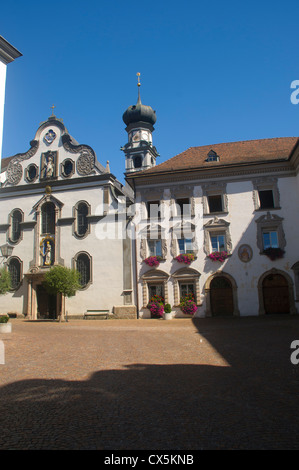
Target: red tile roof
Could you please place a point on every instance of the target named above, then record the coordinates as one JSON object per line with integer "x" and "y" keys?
{"x": 229, "y": 153}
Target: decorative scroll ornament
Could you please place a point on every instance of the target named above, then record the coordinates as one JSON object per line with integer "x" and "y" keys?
{"x": 14, "y": 173}
{"x": 86, "y": 160}
{"x": 85, "y": 163}
{"x": 14, "y": 170}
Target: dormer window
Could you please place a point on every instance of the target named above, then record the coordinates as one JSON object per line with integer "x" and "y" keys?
{"x": 212, "y": 157}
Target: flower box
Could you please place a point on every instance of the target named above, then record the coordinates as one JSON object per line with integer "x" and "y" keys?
{"x": 186, "y": 258}
{"x": 188, "y": 305}
{"x": 218, "y": 256}
{"x": 153, "y": 260}
{"x": 273, "y": 253}
{"x": 156, "y": 306}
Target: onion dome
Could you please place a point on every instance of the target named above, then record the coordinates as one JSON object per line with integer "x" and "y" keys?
{"x": 139, "y": 112}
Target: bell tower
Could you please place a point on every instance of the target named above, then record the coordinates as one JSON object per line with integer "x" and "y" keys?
{"x": 139, "y": 151}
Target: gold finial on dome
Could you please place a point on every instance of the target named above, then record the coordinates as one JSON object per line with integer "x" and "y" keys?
{"x": 138, "y": 84}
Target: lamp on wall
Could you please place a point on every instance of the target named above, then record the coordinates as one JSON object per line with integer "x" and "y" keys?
{"x": 6, "y": 250}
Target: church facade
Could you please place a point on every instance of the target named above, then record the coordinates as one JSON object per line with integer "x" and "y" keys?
{"x": 217, "y": 224}
{"x": 57, "y": 204}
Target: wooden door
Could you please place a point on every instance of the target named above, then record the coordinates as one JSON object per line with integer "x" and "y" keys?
{"x": 221, "y": 295}
{"x": 276, "y": 294}
{"x": 46, "y": 303}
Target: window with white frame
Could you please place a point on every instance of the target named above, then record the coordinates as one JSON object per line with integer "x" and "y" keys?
{"x": 187, "y": 289}
{"x": 155, "y": 247}
{"x": 218, "y": 242}
{"x": 270, "y": 239}
{"x": 270, "y": 233}
{"x": 212, "y": 157}
{"x": 215, "y": 199}
{"x": 217, "y": 236}
{"x": 153, "y": 242}
{"x": 183, "y": 239}
{"x": 185, "y": 245}
{"x": 155, "y": 289}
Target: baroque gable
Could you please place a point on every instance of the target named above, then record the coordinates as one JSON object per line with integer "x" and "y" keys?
{"x": 53, "y": 155}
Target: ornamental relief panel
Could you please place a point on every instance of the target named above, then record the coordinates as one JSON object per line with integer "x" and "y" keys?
{"x": 86, "y": 161}
{"x": 14, "y": 171}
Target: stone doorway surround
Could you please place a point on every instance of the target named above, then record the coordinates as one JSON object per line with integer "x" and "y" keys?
{"x": 207, "y": 289}
{"x": 35, "y": 278}
{"x": 290, "y": 286}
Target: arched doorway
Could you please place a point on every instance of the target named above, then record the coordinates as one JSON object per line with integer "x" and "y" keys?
{"x": 221, "y": 296}
{"x": 276, "y": 294}
{"x": 46, "y": 304}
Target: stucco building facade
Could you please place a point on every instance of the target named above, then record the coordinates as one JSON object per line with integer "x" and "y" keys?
{"x": 238, "y": 199}
{"x": 219, "y": 220}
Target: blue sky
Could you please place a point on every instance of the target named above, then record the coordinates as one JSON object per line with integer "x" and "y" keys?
{"x": 213, "y": 71}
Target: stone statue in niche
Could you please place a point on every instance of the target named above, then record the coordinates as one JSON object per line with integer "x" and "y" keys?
{"x": 48, "y": 167}
{"x": 46, "y": 252}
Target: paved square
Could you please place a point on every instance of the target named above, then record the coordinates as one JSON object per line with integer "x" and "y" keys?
{"x": 219, "y": 383}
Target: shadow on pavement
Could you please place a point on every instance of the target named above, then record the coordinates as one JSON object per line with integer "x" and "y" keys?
{"x": 251, "y": 404}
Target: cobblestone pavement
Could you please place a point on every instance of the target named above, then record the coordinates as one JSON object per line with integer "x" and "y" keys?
{"x": 218, "y": 383}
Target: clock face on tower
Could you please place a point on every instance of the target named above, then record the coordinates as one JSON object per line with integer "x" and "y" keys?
{"x": 136, "y": 136}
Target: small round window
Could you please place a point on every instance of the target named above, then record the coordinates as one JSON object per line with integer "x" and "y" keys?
{"x": 31, "y": 173}
{"x": 68, "y": 167}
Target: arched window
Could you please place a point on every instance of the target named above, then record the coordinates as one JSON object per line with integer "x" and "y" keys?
{"x": 83, "y": 266}
{"x": 48, "y": 218}
{"x": 16, "y": 219}
{"x": 82, "y": 221}
{"x": 81, "y": 225}
{"x": 15, "y": 270}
